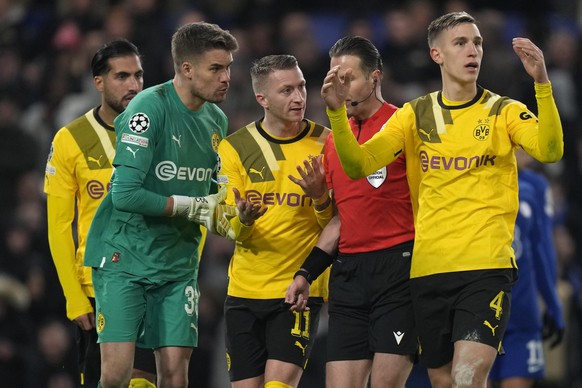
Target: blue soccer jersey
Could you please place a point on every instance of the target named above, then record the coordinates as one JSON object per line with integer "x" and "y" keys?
{"x": 536, "y": 260}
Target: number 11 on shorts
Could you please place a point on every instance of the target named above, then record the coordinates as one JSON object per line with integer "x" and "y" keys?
{"x": 301, "y": 319}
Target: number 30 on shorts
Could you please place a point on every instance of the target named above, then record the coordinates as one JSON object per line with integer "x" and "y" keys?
{"x": 191, "y": 305}
{"x": 301, "y": 326}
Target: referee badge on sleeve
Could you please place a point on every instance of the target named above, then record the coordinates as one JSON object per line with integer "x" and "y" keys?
{"x": 377, "y": 178}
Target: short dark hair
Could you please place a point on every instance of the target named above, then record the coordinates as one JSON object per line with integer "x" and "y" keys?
{"x": 193, "y": 39}
{"x": 446, "y": 22}
{"x": 360, "y": 47}
{"x": 116, "y": 48}
{"x": 266, "y": 65}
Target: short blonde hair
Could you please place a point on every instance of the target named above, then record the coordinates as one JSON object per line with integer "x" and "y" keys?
{"x": 446, "y": 22}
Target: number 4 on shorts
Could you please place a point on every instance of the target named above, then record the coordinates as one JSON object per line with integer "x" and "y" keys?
{"x": 496, "y": 304}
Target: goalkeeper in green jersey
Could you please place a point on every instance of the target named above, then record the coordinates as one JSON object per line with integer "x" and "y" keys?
{"x": 143, "y": 241}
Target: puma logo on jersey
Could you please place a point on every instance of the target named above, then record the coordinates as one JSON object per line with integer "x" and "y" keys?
{"x": 486, "y": 323}
{"x": 398, "y": 336}
{"x": 177, "y": 140}
{"x": 132, "y": 151}
{"x": 194, "y": 327}
{"x": 425, "y": 133}
{"x": 300, "y": 346}
{"x": 255, "y": 171}
{"x": 97, "y": 161}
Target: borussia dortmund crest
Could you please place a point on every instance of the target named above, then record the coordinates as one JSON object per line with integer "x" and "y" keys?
{"x": 482, "y": 130}
{"x": 215, "y": 141}
{"x": 100, "y": 322}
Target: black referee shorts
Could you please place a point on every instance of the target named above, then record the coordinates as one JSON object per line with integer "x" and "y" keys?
{"x": 370, "y": 309}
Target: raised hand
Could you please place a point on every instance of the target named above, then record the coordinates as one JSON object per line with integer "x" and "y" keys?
{"x": 312, "y": 178}
{"x": 532, "y": 59}
{"x": 336, "y": 87}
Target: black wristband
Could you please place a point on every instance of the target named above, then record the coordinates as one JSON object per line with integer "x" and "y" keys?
{"x": 305, "y": 274}
{"x": 316, "y": 263}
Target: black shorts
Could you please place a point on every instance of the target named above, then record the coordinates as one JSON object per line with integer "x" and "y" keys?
{"x": 467, "y": 305}
{"x": 145, "y": 360}
{"x": 262, "y": 329}
{"x": 370, "y": 307}
{"x": 89, "y": 356}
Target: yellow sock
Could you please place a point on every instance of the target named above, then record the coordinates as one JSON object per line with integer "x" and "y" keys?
{"x": 140, "y": 382}
{"x": 276, "y": 384}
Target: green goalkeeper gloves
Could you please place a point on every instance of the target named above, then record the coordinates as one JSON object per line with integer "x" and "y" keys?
{"x": 210, "y": 211}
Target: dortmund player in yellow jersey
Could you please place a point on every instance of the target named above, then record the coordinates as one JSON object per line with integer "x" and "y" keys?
{"x": 459, "y": 144}
{"x": 267, "y": 344}
{"x": 77, "y": 178}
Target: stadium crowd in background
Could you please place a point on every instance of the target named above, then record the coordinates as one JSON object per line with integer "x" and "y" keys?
{"x": 45, "y": 82}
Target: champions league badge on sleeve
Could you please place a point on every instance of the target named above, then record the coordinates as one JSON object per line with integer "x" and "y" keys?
{"x": 139, "y": 123}
{"x": 218, "y": 165}
{"x": 377, "y": 178}
{"x": 50, "y": 169}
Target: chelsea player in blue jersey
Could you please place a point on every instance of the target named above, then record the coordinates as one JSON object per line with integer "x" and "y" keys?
{"x": 536, "y": 260}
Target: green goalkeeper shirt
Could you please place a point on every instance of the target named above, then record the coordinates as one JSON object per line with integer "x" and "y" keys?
{"x": 162, "y": 148}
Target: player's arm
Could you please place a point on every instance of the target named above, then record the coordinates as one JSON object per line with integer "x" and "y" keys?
{"x": 129, "y": 195}
{"x": 544, "y": 263}
{"x": 542, "y": 138}
{"x": 60, "y": 216}
{"x": 546, "y": 144}
{"x": 313, "y": 183}
{"x": 357, "y": 160}
{"x": 61, "y": 188}
{"x": 318, "y": 260}
{"x": 137, "y": 130}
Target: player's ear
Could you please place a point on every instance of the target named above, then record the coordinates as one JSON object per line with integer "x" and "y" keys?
{"x": 187, "y": 69}
{"x": 262, "y": 100}
{"x": 98, "y": 81}
{"x": 436, "y": 55}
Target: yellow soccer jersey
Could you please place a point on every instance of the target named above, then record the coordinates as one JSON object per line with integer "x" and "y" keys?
{"x": 77, "y": 172}
{"x": 258, "y": 164}
{"x": 461, "y": 170}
